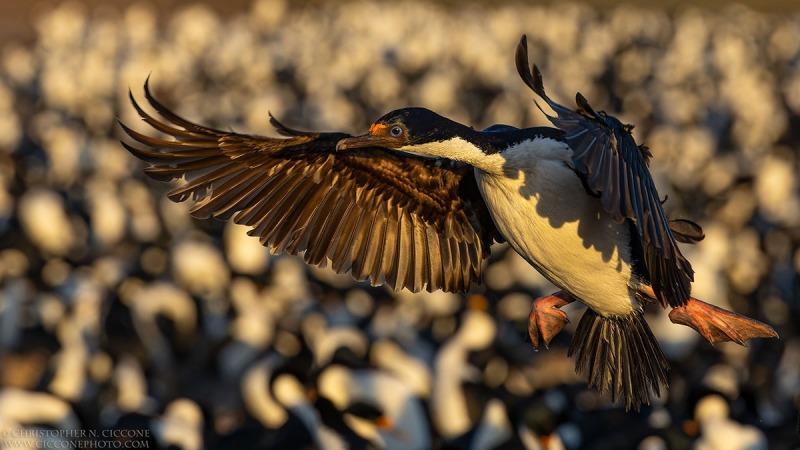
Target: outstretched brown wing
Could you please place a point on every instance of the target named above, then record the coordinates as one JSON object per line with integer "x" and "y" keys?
{"x": 388, "y": 217}
{"x": 615, "y": 168}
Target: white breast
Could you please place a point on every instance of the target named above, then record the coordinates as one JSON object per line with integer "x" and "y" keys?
{"x": 540, "y": 206}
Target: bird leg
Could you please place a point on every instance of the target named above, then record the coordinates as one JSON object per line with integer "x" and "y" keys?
{"x": 716, "y": 324}
{"x": 546, "y": 320}
{"x": 719, "y": 325}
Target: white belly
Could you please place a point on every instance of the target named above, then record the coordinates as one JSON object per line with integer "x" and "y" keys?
{"x": 564, "y": 233}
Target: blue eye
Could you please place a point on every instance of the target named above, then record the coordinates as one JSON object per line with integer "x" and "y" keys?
{"x": 395, "y": 131}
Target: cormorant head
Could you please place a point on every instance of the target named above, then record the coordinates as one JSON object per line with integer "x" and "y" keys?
{"x": 414, "y": 130}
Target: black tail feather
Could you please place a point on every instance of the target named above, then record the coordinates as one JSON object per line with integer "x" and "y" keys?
{"x": 619, "y": 355}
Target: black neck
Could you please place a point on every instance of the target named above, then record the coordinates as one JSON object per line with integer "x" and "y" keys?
{"x": 495, "y": 141}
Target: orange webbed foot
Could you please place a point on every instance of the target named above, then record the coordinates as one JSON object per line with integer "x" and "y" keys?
{"x": 546, "y": 320}
{"x": 719, "y": 325}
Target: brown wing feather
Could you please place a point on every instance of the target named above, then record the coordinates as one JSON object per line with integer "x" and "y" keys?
{"x": 384, "y": 216}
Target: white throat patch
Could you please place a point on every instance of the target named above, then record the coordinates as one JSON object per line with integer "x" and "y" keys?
{"x": 455, "y": 148}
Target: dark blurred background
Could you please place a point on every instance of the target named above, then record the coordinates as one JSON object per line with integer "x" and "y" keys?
{"x": 120, "y": 312}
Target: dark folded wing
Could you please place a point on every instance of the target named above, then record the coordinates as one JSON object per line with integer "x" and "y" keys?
{"x": 615, "y": 168}
{"x": 388, "y": 217}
